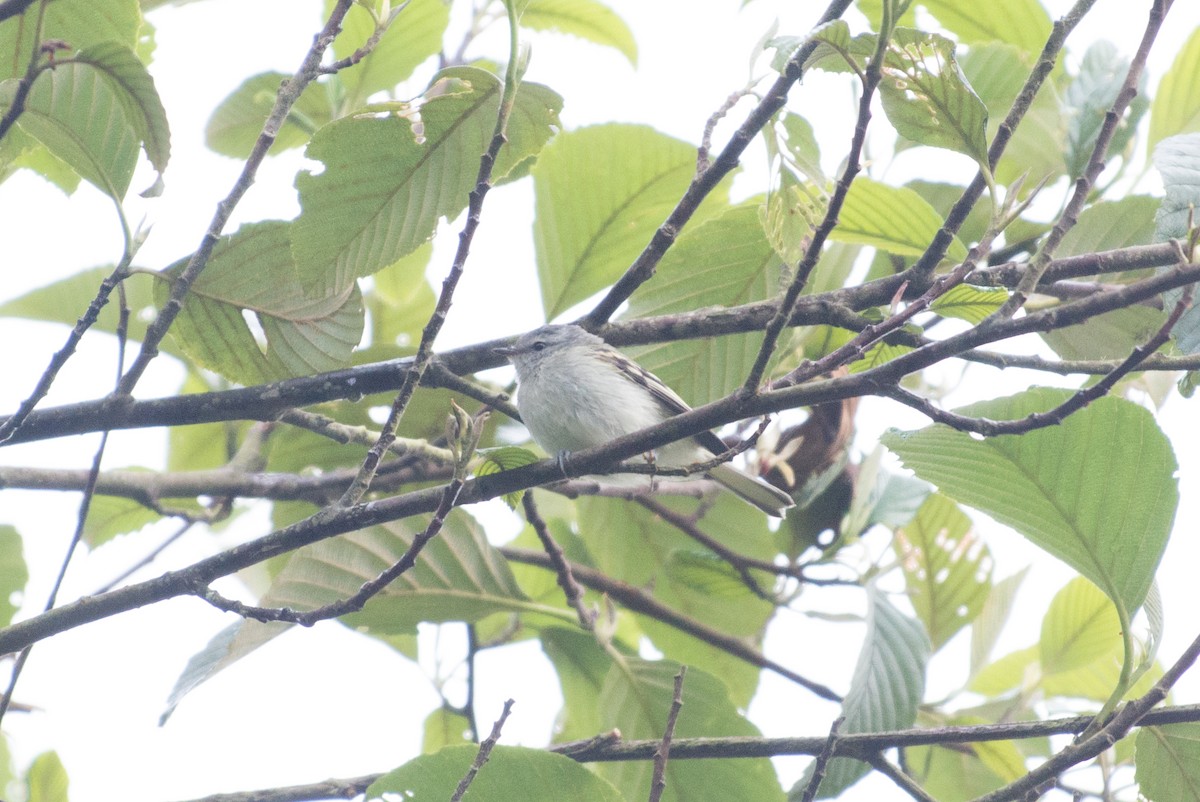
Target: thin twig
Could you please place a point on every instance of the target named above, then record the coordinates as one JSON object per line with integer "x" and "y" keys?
{"x": 562, "y": 569}
{"x": 485, "y": 750}
{"x": 906, "y": 784}
{"x": 658, "y": 780}
{"x": 639, "y": 601}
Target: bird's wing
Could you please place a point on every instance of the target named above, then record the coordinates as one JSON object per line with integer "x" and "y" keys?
{"x": 670, "y": 401}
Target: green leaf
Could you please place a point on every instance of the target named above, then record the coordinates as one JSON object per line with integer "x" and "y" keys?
{"x": 947, "y": 568}
{"x": 836, "y": 50}
{"x": 1106, "y": 512}
{"x": 79, "y": 115}
{"x": 1023, "y": 23}
{"x": 65, "y": 300}
{"x": 1079, "y": 628}
{"x": 81, "y": 23}
{"x": 511, "y": 772}
{"x": 986, "y": 628}
{"x": 237, "y": 121}
{"x": 459, "y": 577}
{"x": 1109, "y": 225}
{"x": 1168, "y": 762}
{"x": 586, "y": 19}
{"x": 400, "y": 303}
{"x": 635, "y": 700}
{"x": 635, "y": 546}
{"x": 894, "y": 219}
{"x": 1176, "y": 106}
{"x": 886, "y": 688}
{"x": 581, "y": 665}
{"x": 46, "y": 780}
{"x": 1088, "y": 99}
{"x": 882, "y": 497}
{"x": 972, "y": 304}
{"x": 383, "y": 188}
{"x": 138, "y": 95}
{"x": 723, "y": 262}
{"x": 19, "y": 150}
{"x": 13, "y": 576}
{"x": 109, "y": 516}
{"x": 927, "y": 97}
{"x": 252, "y": 272}
{"x": 601, "y": 192}
{"x": 414, "y": 36}
{"x": 1111, "y": 335}
{"x": 1177, "y": 160}
{"x": 997, "y": 72}
{"x": 1002, "y": 675}
{"x": 445, "y": 727}
{"x": 505, "y": 458}
{"x": 878, "y": 354}
{"x": 791, "y": 214}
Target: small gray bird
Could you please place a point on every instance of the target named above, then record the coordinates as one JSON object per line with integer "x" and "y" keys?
{"x": 575, "y": 391}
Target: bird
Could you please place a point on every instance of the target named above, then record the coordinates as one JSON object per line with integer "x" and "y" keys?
{"x": 575, "y": 391}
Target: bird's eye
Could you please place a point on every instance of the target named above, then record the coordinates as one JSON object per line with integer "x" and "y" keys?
{"x": 539, "y": 346}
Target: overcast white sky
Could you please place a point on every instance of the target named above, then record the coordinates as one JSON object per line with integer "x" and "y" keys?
{"x": 322, "y": 703}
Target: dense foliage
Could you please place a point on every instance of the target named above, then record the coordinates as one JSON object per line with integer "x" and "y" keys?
{"x": 824, "y": 289}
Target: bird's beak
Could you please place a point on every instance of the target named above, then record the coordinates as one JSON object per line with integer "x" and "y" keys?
{"x": 506, "y": 351}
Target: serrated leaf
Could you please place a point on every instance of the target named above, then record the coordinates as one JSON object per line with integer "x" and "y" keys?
{"x": 237, "y": 121}
{"x": 511, "y": 772}
{"x": 586, "y": 19}
{"x": 972, "y": 304}
{"x": 252, "y": 272}
{"x": 1088, "y": 99}
{"x": 893, "y": 219}
{"x": 887, "y": 687}
{"x": 459, "y": 577}
{"x": 414, "y": 36}
{"x": 635, "y": 699}
{"x": 947, "y": 568}
{"x": 82, "y": 23}
{"x": 600, "y": 194}
{"x": 1177, "y": 160}
{"x": 383, "y": 189}
{"x": 722, "y": 262}
{"x": 13, "y": 576}
{"x": 78, "y": 114}
{"x": 706, "y": 573}
{"x": 1023, "y": 23}
{"x": 836, "y": 50}
{"x": 138, "y": 95}
{"x": 928, "y": 99}
{"x": 792, "y": 212}
{"x": 1168, "y": 762}
{"x": 1176, "y": 106}
{"x": 1104, "y": 511}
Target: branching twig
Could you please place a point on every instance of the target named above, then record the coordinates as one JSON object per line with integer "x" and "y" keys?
{"x": 822, "y": 761}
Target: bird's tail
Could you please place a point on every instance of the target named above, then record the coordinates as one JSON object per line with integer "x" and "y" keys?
{"x": 752, "y": 490}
